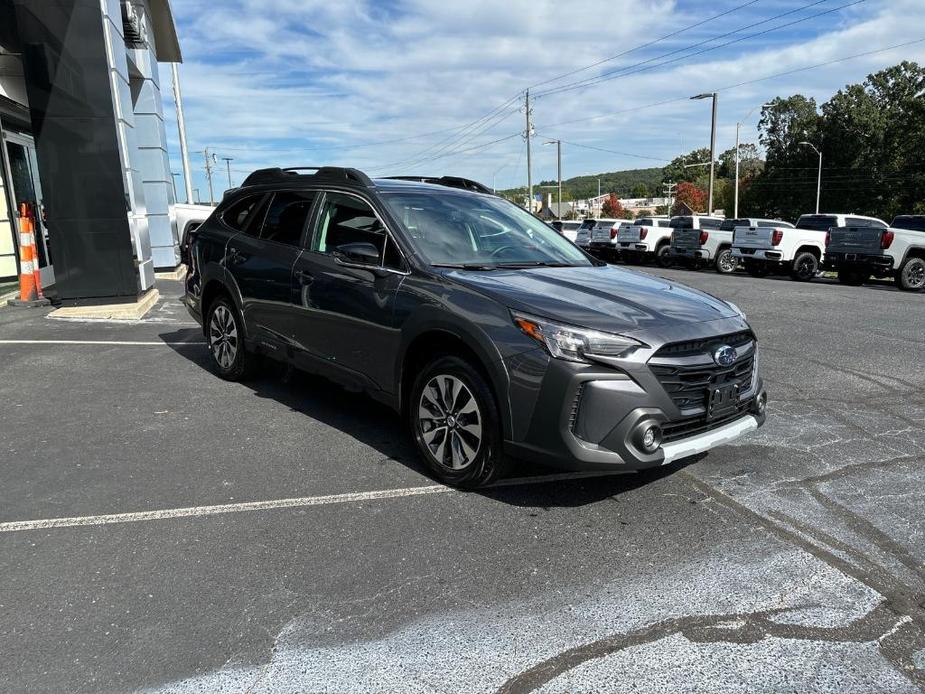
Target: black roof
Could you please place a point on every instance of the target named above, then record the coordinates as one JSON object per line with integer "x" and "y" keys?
{"x": 352, "y": 177}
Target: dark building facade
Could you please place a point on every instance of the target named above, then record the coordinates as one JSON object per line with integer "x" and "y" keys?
{"x": 84, "y": 142}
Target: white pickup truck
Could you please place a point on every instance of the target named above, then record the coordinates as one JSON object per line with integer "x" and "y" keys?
{"x": 856, "y": 253}
{"x": 189, "y": 217}
{"x": 697, "y": 241}
{"x": 798, "y": 250}
{"x": 647, "y": 237}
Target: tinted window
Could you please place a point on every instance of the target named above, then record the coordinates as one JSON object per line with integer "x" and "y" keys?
{"x": 706, "y": 223}
{"x": 588, "y": 224}
{"x": 450, "y": 228}
{"x": 682, "y": 223}
{"x": 345, "y": 219}
{"x": 731, "y": 224}
{"x": 909, "y": 222}
{"x": 764, "y": 224}
{"x": 287, "y": 216}
{"x": 663, "y": 222}
{"x": 860, "y": 222}
{"x": 817, "y": 222}
{"x": 237, "y": 214}
{"x": 645, "y": 222}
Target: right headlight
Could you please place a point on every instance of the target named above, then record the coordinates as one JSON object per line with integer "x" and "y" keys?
{"x": 572, "y": 343}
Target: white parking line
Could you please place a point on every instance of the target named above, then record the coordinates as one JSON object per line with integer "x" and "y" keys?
{"x": 117, "y": 343}
{"x": 325, "y": 500}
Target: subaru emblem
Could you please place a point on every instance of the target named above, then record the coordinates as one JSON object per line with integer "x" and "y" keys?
{"x": 725, "y": 355}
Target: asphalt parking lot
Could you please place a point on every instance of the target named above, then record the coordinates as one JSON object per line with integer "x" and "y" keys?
{"x": 279, "y": 536}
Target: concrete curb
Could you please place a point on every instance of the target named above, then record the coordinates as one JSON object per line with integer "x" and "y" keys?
{"x": 133, "y": 311}
{"x": 178, "y": 274}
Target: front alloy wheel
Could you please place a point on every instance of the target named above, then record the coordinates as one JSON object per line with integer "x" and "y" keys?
{"x": 455, "y": 423}
{"x": 450, "y": 421}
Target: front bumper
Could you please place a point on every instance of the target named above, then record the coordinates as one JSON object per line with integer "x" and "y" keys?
{"x": 589, "y": 418}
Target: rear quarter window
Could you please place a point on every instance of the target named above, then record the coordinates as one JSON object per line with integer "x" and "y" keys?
{"x": 240, "y": 213}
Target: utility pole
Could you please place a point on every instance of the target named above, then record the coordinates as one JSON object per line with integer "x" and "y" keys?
{"x": 819, "y": 178}
{"x": 669, "y": 193}
{"x": 181, "y": 127}
{"x": 228, "y": 161}
{"x": 209, "y": 160}
{"x": 529, "y": 134}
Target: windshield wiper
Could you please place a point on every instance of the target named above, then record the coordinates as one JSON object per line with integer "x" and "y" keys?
{"x": 535, "y": 263}
{"x": 465, "y": 266}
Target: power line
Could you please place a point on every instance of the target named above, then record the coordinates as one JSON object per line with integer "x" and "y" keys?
{"x": 730, "y": 87}
{"x": 601, "y": 149}
{"x": 638, "y": 67}
{"x": 645, "y": 45}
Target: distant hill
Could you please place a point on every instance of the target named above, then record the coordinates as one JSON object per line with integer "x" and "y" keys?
{"x": 623, "y": 183}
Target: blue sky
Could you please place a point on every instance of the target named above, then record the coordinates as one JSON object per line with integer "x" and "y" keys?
{"x": 432, "y": 88}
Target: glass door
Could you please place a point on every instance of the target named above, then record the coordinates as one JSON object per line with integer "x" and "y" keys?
{"x": 25, "y": 187}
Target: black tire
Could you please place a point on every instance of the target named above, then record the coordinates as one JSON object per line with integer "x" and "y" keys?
{"x": 724, "y": 263}
{"x": 663, "y": 256}
{"x": 911, "y": 275}
{"x": 852, "y": 277}
{"x": 756, "y": 268}
{"x": 805, "y": 267}
{"x": 225, "y": 333}
{"x": 473, "y": 458}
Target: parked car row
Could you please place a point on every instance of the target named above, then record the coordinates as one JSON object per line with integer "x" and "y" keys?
{"x": 854, "y": 246}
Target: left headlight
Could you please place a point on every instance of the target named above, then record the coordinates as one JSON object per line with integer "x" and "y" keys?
{"x": 574, "y": 344}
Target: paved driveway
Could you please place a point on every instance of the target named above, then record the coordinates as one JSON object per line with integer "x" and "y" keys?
{"x": 280, "y": 535}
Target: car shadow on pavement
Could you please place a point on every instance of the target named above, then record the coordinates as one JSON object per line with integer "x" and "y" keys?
{"x": 375, "y": 425}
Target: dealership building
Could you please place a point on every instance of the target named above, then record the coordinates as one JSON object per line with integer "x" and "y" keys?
{"x": 84, "y": 145}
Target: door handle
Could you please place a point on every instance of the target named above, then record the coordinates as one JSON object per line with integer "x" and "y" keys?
{"x": 235, "y": 256}
{"x": 304, "y": 277}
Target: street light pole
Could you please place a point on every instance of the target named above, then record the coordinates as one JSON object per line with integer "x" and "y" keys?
{"x": 715, "y": 97}
{"x": 173, "y": 179}
{"x": 558, "y": 144}
{"x": 181, "y": 127}
{"x": 819, "y": 177}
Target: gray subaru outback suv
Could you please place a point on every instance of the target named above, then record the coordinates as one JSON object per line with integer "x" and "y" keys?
{"x": 492, "y": 334}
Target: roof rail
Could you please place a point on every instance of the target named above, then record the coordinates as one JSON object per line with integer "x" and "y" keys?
{"x": 449, "y": 181}
{"x": 277, "y": 175}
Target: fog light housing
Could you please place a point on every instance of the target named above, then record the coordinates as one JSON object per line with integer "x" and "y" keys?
{"x": 761, "y": 402}
{"x": 650, "y": 438}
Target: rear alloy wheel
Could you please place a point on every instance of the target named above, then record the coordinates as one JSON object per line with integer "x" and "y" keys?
{"x": 663, "y": 257}
{"x": 805, "y": 267}
{"x": 852, "y": 277}
{"x": 226, "y": 341}
{"x": 725, "y": 263}
{"x": 911, "y": 276}
{"x": 454, "y": 421}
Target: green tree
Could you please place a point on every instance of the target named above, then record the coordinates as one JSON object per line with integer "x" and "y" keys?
{"x": 676, "y": 172}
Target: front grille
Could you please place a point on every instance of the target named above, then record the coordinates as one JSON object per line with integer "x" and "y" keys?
{"x": 688, "y": 374}
{"x": 673, "y": 431}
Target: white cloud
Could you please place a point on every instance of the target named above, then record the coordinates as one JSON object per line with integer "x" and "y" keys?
{"x": 279, "y": 81}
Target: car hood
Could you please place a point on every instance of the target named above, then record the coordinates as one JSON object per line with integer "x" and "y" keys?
{"x": 603, "y": 298}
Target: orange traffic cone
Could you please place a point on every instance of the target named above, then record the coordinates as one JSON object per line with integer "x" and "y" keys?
{"x": 30, "y": 284}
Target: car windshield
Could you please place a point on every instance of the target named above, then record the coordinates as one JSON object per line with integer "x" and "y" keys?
{"x": 817, "y": 222}
{"x": 909, "y": 223}
{"x": 479, "y": 232}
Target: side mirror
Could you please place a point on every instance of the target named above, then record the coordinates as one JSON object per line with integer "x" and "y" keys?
{"x": 360, "y": 252}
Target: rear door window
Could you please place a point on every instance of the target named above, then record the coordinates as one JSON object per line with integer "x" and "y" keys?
{"x": 243, "y": 214}
{"x": 286, "y": 217}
